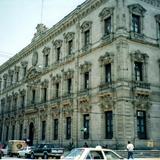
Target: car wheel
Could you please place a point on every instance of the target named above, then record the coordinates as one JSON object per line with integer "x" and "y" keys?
{"x": 45, "y": 156}
{"x": 32, "y": 155}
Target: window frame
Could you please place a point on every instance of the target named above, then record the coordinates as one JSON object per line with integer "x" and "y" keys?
{"x": 86, "y": 124}
{"x": 108, "y": 124}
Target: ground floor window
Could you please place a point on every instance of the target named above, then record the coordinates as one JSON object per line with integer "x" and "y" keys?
{"x": 108, "y": 125}
{"x": 141, "y": 124}
{"x": 86, "y": 126}
{"x": 55, "y": 136}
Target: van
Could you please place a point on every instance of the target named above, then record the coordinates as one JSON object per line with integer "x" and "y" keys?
{"x": 14, "y": 146}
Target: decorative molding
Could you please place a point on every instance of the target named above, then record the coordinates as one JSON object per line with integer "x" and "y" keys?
{"x": 5, "y": 76}
{"x": 56, "y": 79}
{"x": 106, "y": 12}
{"x": 16, "y": 68}
{"x": 32, "y": 73}
{"x": 155, "y": 3}
{"x": 69, "y": 36}
{"x": 137, "y": 9}
{"x": 139, "y": 56}
{"x": 45, "y": 83}
{"x": 86, "y": 25}
{"x": 22, "y": 92}
{"x": 57, "y": 43}
{"x": 107, "y": 58}
{"x": 86, "y": 67}
{"x": 46, "y": 51}
{"x": 10, "y": 72}
{"x": 68, "y": 74}
{"x": 41, "y": 29}
{"x": 24, "y": 63}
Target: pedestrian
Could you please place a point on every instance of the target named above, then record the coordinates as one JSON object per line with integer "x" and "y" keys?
{"x": 85, "y": 145}
{"x": 130, "y": 148}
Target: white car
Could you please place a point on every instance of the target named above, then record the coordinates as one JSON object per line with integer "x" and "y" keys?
{"x": 24, "y": 152}
{"x": 92, "y": 153}
{"x": 4, "y": 151}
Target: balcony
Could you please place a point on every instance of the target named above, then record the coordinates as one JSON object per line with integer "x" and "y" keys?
{"x": 141, "y": 88}
{"x": 106, "y": 89}
{"x": 136, "y": 36}
{"x": 84, "y": 92}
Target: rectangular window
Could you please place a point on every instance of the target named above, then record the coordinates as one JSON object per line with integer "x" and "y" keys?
{"x": 109, "y": 125}
{"x": 57, "y": 90}
{"x": 45, "y": 94}
{"x": 7, "y": 131}
{"x": 159, "y": 30}
{"x": 55, "y": 129}
{"x": 141, "y": 124}
{"x": 24, "y": 71}
{"x": 86, "y": 38}
{"x": 138, "y": 71}
{"x": 17, "y": 76}
{"x": 15, "y": 102}
{"x": 11, "y": 80}
{"x": 68, "y": 127}
{"x": 13, "y": 131}
{"x": 46, "y": 60}
{"x": 108, "y": 73}
{"x": 69, "y": 85}
{"x": 107, "y": 26}
{"x": 70, "y": 47}
{"x": 86, "y": 126}
{"x": 43, "y": 130}
{"x": 58, "y": 53}
{"x": 136, "y": 23}
{"x": 33, "y": 96}
{"x": 86, "y": 80}
{"x": 20, "y": 131}
{"x": 23, "y": 100}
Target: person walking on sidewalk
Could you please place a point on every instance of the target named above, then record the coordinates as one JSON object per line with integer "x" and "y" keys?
{"x": 130, "y": 148}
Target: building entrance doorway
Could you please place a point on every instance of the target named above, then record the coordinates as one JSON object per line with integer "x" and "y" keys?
{"x": 31, "y": 133}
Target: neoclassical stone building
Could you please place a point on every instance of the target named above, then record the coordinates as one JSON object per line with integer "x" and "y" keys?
{"x": 93, "y": 77}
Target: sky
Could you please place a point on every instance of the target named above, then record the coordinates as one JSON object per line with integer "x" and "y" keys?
{"x": 19, "y": 18}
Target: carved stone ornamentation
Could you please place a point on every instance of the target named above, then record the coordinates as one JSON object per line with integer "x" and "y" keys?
{"x": 56, "y": 111}
{"x": 22, "y": 92}
{"x": 137, "y": 8}
{"x": 56, "y": 79}
{"x": 46, "y": 50}
{"x": 10, "y": 72}
{"x": 68, "y": 74}
{"x": 24, "y": 63}
{"x": 69, "y": 36}
{"x": 86, "y": 26}
{"x": 107, "y": 58}
{"x": 32, "y": 73}
{"x": 57, "y": 43}
{"x": 45, "y": 83}
{"x": 106, "y": 12}
{"x": 86, "y": 67}
{"x": 139, "y": 56}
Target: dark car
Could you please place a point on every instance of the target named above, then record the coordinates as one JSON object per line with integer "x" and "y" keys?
{"x": 46, "y": 150}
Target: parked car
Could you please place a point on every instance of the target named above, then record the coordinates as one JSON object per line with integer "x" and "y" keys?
{"x": 46, "y": 150}
{"x": 14, "y": 146}
{"x": 4, "y": 150}
{"x": 25, "y": 152}
{"x": 92, "y": 153}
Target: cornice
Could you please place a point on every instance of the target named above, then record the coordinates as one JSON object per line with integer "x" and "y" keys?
{"x": 155, "y": 3}
{"x": 81, "y": 11}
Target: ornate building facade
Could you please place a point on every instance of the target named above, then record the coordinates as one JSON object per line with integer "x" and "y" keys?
{"x": 93, "y": 77}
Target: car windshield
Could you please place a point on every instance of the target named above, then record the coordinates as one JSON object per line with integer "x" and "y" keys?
{"x": 75, "y": 153}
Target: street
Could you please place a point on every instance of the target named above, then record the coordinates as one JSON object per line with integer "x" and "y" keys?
{"x": 125, "y": 159}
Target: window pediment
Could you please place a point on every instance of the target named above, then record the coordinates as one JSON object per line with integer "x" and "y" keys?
{"x": 68, "y": 74}
{"x": 139, "y": 56}
{"x": 15, "y": 95}
{"x": 106, "y": 58}
{"x": 56, "y": 79}
{"x": 22, "y": 92}
{"x": 10, "y": 72}
{"x": 16, "y": 68}
{"x": 69, "y": 36}
{"x": 86, "y": 26}
{"x": 24, "y": 63}
{"x": 157, "y": 17}
{"x": 106, "y": 12}
{"x": 137, "y": 9}
{"x": 45, "y": 83}
{"x": 46, "y": 50}
{"x": 86, "y": 67}
{"x": 5, "y": 76}
{"x": 32, "y": 72}
{"x": 57, "y": 43}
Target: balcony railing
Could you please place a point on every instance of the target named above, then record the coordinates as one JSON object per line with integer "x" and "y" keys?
{"x": 105, "y": 86}
{"x": 143, "y": 85}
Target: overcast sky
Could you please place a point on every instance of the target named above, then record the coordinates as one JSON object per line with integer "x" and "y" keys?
{"x": 19, "y": 18}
